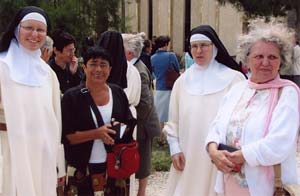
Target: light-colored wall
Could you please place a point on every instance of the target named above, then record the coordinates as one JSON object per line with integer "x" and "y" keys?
{"x": 144, "y": 16}
{"x": 131, "y": 15}
{"x": 230, "y": 27}
{"x": 161, "y": 17}
{"x": 177, "y": 30}
{"x": 169, "y": 20}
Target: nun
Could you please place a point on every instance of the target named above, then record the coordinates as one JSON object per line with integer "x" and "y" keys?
{"x": 30, "y": 115}
{"x": 113, "y": 42}
{"x": 194, "y": 102}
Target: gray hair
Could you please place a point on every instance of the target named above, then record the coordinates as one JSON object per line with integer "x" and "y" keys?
{"x": 133, "y": 43}
{"x": 48, "y": 44}
{"x": 273, "y": 31}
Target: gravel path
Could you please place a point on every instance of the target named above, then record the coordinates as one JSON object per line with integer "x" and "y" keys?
{"x": 156, "y": 184}
{"x": 158, "y": 180}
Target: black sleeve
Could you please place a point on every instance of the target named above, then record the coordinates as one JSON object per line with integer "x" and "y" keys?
{"x": 77, "y": 77}
{"x": 67, "y": 110}
{"x": 121, "y": 111}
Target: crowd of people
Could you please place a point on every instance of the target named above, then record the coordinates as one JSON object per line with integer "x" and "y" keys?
{"x": 226, "y": 129}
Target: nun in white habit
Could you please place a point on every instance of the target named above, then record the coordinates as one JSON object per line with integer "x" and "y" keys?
{"x": 30, "y": 115}
{"x": 194, "y": 103}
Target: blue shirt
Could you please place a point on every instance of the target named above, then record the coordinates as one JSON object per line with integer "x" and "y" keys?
{"x": 188, "y": 61}
{"x": 160, "y": 61}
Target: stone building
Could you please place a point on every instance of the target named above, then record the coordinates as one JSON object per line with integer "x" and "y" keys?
{"x": 177, "y": 17}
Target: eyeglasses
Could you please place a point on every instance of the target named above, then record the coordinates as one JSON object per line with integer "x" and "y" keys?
{"x": 202, "y": 46}
{"x": 101, "y": 65}
{"x": 32, "y": 29}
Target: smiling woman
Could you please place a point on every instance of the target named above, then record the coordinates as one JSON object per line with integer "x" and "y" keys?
{"x": 29, "y": 110}
{"x": 32, "y": 34}
{"x": 87, "y": 138}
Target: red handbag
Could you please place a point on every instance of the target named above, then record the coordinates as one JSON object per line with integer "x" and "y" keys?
{"x": 171, "y": 75}
{"x": 123, "y": 160}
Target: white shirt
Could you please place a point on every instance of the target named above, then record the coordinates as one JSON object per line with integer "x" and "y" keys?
{"x": 278, "y": 146}
{"x": 98, "y": 154}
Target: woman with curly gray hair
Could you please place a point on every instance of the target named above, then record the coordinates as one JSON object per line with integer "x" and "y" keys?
{"x": 256, "y": 126}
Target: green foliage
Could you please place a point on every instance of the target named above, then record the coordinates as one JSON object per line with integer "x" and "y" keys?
{"x": 253, "y": 8}
{"x": 80, "y": 18}
{"x": 262, "y": 8}
{"x": 161, "y": 160}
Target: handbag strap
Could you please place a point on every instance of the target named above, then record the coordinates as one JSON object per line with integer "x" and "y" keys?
{"x": 277, "y": 179}
{"x": 86, "y": 92}
{"x": 277, "y": 167}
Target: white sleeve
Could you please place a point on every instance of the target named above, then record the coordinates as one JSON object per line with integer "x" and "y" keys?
{"x": 173, "y": 144}
{"x": 61, "y": 161}
{"x": 281, "y": 138}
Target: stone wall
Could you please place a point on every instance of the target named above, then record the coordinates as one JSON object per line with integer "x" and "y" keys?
{"x": 169, "y": 17}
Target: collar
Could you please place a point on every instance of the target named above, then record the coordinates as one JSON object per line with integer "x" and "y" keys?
{"x": 26, "y": 67}
{"x": 201, "y": 80}
{"x": 134, "y": 60}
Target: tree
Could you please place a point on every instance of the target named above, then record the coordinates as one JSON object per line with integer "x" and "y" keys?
{"x": 254, "y": 8}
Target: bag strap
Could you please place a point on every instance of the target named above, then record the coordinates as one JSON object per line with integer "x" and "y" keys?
{"x": 277, "y": 179}
{"x": 277, "y": 167}
{"x": 86, "y": 92}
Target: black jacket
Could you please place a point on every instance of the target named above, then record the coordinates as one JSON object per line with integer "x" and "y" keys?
{"x": 76, "y": 116}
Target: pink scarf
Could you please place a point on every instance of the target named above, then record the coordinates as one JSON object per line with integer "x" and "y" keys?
{"x": 273, "y": 86}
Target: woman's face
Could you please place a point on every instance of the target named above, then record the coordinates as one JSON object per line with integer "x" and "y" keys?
{"x": 202, "y": 52}
{"x": 97, "y": 70}
{"x": 264, "y": 61}
{"x": 32, "y": 34}
{"x": 149, "y": 49}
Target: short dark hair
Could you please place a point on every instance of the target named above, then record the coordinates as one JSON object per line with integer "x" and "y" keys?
{"x": 96, "y": 52}
{"x": 147, "y": 44}
{"x": 62, "y": 39}
{"x": 161, "y": 41}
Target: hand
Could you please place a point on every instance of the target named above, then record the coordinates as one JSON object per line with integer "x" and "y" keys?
{"x": 220, "y": 158}
{"x": 103, "y": 134}
{"x": 178, "y": 161}
{"x": 74, "y": 65}
{"x": 237, "y": 157}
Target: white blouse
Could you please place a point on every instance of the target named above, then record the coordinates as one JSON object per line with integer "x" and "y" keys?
{"x": 98, "y": 154}
{"x": 261, "y": 152}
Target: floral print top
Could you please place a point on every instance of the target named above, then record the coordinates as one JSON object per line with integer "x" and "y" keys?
{"x": 250, "y": 102}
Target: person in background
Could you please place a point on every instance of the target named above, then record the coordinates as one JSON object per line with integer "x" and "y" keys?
{"x": 296, "y": 59}
{"x": 147, "y": 120}
{"x": 258, "y": 117}
{"x": 86, "y": 141}
{"x": 146, "y": 54}
{"x": 47, "y": 49}
{"x": 113, "y": 42}
{"x": 194, "y": 103}
{"x": 161, "y": 61}
{"x": 188, "y": 61}
{"x": 65, "y": 63}
{"x": 133, "y": 92}
{"x": 30, "y": 113}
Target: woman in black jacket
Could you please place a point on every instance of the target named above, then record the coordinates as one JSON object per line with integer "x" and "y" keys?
{"x": 87, "y": 113}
